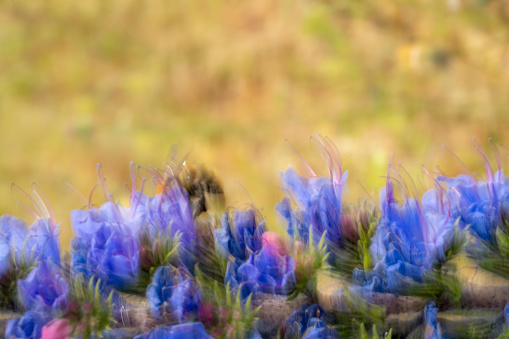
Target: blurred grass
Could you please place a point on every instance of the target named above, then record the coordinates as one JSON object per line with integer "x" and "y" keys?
{"x": 117, "y": 80}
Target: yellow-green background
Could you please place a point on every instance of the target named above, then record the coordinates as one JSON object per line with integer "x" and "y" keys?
{"x": 110, "y": 81}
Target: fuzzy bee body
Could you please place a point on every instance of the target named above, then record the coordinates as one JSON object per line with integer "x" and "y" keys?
{"x": 205, "y": 190}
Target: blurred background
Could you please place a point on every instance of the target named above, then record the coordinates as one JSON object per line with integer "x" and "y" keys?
{"x": 111, "y": 81}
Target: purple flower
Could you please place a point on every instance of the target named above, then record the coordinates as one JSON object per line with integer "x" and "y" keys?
{"x": 307, "y": 322}
{"x": 28, "y": 326}
{"x": 240, "y": 235}
{"x": 171, "y": 209}
{"x": 267, "y": 271}
{"x": 173, "y": 291}
{"x": 432, "y": 327}
{"x": 105, "y": 244}
{"x": 479, "y": 203}
{"x": 27, "y": 244}
{"x": 318, "y": 202}
{"x": 182, "y": 331}
{"x": 45, "y": 289}
{"x": 409, "y": 240}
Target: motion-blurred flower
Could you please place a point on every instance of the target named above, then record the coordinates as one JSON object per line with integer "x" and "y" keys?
{"x": 277, "y": 241}
{"x": 57, "y": 329}
{"x": 307, "y": 322}
{"x": 24, "y": 245}
{"x": 105, "y": 245}
{"x": 240, "y": 234}
{"x": 318, "y": 205}
{"x": 479, "y": 203}
{"x": 182, "y": 331}
{"x": 173, "y": 291}
{"x": 170, "y": 209}
{"x": 409, "y": 240}
{"x": 45, "y": 289}
{"x": 315, "y": 203}
{"x": 432, "y": 327}
{"x": 30, "y": 325}
{"x": 267, "y": 271}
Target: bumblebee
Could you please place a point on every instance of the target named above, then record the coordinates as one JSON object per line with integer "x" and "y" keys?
{"x": 205, "y": 190}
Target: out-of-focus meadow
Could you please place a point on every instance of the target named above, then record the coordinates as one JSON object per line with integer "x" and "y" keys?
{"x": 110, "y": 81}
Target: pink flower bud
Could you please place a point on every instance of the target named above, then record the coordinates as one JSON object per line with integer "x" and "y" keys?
{"x": 276, "y": 241}
{"x": 57, "y": 329}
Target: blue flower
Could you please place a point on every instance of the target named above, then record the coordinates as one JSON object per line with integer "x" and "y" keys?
{"x": 105, "y": 245}
{"x": 173, "y": 291}
{"x": 240, "y": 235}
{"x": 409, "y": 240}
{"x": 318, "y": 204}
{"x": 432, "y": 327}
{"x": 27, "y": 244}
{"x": 267, "y": 272}
{"x": 45, "y": 289}
{"x": 479, "y": 203}
{"x": 171, "y": 208}
{"x": 12, "y": 237}
{"x": 182, "y": 331}
{"x": 306, "y": 322}
{"x": 28, "y": 326}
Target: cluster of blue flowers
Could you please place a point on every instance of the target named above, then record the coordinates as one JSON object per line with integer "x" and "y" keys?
{"x": 155, "y": 248}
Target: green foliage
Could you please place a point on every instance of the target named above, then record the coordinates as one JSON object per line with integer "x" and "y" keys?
{"x": 308, "y": 261}
{"x": 364, "y": 243}
{"x": 470, "y": 324}
{"x": 494, "y": 256}
{"x": 208, "y": 260}
{"x": 231, "y": 318}
{"x": 442, "y": 286}
{"x": 460, "y": 240}
{"x": 155, "y": 251}
{"x": 360, "y": 312}
{"x": 364, "y": 334}
{"x": 353, "y": 251}
{"x": 19, "y": 269}
{"x": 92, "y": 315}
{"x": 160, "y": 249}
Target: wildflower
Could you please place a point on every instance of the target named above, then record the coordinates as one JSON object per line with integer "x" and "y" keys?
{"x": 267, "y": 272}
{"x": 277, "y": 241}
{"x": 307, "y": 322}
{"x": 172, "y": 291}
{"x": 105, "y": 245}
{"x": 409, "y": 240}
{"x": 182, "y": 331}
{"x": 171, "y": 209}
{"x": 318, "y": 205}
{"x": 432, "y": 327}
{"x": 25, "y": 245}
{"x": 317, "y": 201}
{"x": 45, "y": 289}
{"x": 30, "y": 325}
{"x": 57, "y": 329}
{"x": 479, "y": 203}
{"x": 240, "y": 234}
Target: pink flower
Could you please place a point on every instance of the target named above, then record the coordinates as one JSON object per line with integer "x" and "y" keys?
{"x": 276, "y": 241}
{"x": 57, "y": 329}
